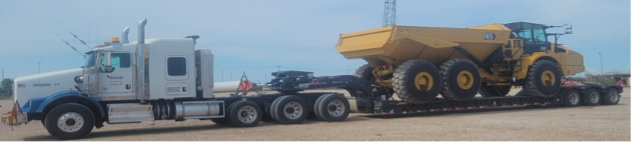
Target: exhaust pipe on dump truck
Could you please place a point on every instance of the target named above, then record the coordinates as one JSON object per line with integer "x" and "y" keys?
{"x": 124, "y": 35}
{"x": 141, "y": 61}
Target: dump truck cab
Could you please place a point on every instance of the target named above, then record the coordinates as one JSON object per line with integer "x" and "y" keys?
{"x": 534, "y": 36}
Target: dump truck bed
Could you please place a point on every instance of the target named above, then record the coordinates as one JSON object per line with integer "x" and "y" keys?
{"x": 415, "y": 42}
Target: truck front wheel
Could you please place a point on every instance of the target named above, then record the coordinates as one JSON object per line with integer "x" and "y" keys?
{"x": 69, "y": 121}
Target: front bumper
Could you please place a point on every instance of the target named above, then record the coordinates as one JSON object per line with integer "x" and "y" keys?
{"x": 18, "y": 119}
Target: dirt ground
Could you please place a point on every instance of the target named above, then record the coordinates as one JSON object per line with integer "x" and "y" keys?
{"x": 599, "y": 123}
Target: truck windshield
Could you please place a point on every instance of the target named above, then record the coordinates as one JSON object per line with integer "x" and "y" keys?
{"x": 89, "y": 60}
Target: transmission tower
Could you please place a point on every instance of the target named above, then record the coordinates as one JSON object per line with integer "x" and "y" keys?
{"x": 389, "y": 13}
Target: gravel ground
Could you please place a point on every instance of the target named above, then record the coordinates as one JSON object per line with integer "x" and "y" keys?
{"x": 599, "y": 123}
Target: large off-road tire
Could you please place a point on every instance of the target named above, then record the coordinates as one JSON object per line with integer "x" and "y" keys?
{"x": 543, "y": 79}
{"x": 69, "y": 121}
{"x": 460, "y": 80}
{"x": 365, "y": 72}
{"x": 417, "y": 81}
{"x": 494, "y": 91}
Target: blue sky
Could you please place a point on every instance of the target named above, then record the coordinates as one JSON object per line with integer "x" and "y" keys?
{"x": 257, "y": 36}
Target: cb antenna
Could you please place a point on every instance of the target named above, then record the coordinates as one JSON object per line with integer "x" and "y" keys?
{"x": 65, "y": 41}
{"x": 84, "y": 43}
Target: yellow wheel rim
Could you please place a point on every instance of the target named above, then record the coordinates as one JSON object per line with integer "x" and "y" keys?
{"x": 547, "y": 76}
{"x": 423, "y": 78}
{"x": 464, "y": 79}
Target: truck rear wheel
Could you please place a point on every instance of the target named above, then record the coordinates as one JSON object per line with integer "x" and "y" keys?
{"x": 494, "y": 91}
{"x": 460, "y": 80}
{"x": 611, "y": 97}
{"x": 289, "y": 109}
{"x": 69, "y": 121}
{"x": 244, "y": 113}
{"x": 591, "y": 97}
{"x": 543, "y": 79}
{"x": 332, "y": 107}
{"x": 417, "y": 81}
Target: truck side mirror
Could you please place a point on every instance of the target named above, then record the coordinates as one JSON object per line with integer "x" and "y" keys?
{"x": 107, "y": 60}
{"x": 569, "y": 29}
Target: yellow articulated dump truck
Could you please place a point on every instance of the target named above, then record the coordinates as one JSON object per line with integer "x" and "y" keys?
{"x": 419, "y": 63}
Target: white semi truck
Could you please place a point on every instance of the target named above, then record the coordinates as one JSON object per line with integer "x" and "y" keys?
{"x": 147, "y": 80}
{"x": 168, "y": 79}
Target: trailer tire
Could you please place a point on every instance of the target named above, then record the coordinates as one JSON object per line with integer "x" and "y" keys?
{"x": 494, "y": 91}
{"x": 332, "y": 107}
{"x": 460, "y": 80}
{"x": 244, "y": 113}
{"x": 412, "y": 77}
{"x": 73, "y": 114}
{"x": 540, "y": 69}
{"x": 572, "y": 98}
{"x": 290, "y": 110}
{"x": 611, "y": 97}
{"x": 591, "y": 97}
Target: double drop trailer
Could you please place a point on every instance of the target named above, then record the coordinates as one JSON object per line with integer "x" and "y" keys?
{"x": 171, "y": 80}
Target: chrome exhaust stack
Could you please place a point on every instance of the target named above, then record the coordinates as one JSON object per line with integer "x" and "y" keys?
{"x": 142, "y": 81}
{"x": 124, "y": 35}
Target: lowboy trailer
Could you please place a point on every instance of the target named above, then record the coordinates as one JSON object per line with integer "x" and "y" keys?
{"x": 167, "y": 79}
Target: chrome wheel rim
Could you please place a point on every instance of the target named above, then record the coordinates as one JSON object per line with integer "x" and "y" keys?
{"x": 293, "y": 110}
{"x": 335, "y": 108}
{"x": 247, "y": 114}
{"x": 573, "y": 98}
{"x": 594, "y": 97}
{"x": 614, "y": 97}
{"x": 70, "y": 122}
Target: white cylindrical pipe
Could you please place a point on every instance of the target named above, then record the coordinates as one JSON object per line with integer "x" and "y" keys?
{"x": 231, "y": 86}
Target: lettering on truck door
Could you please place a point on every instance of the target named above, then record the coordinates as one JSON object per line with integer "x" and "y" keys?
{"x": 120, "y": 79}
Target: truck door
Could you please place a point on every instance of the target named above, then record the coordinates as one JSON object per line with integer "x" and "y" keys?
{"x": 118, "y": 80}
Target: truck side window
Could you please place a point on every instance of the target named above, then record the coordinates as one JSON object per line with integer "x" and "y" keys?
{"x": 176, "y": 66}
{"x": 118, "y": 60}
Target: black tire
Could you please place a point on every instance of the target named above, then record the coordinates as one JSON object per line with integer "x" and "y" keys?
{"x": 404, "y": 81}
{"x": 221, "y": 121}
{"x": 241, "y": 108}
{"x": 272, "y": 112}
{"x": 280, "y": 109}
{"x": 591, "y": 97}
{"x": 534, "y": 84}
{"x": 364, "y": 72}
{"x": 340, "y": 107}
{"x": 572, "y": 98}
{"x": 452, "y": 72}
{"x": 78, "y": 114}
{"x": 494, "y": 91}
{"x": 611, "y": 97}
{"x": 315, "y": 107}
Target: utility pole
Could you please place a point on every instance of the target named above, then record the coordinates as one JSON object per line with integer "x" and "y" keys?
{"x": 231, "y": 75}
{"x": 222, "y": 75}
{"x": 38, "y": 67}
{"x": 601, "y": 60}
{"x": 279, "y": 67}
